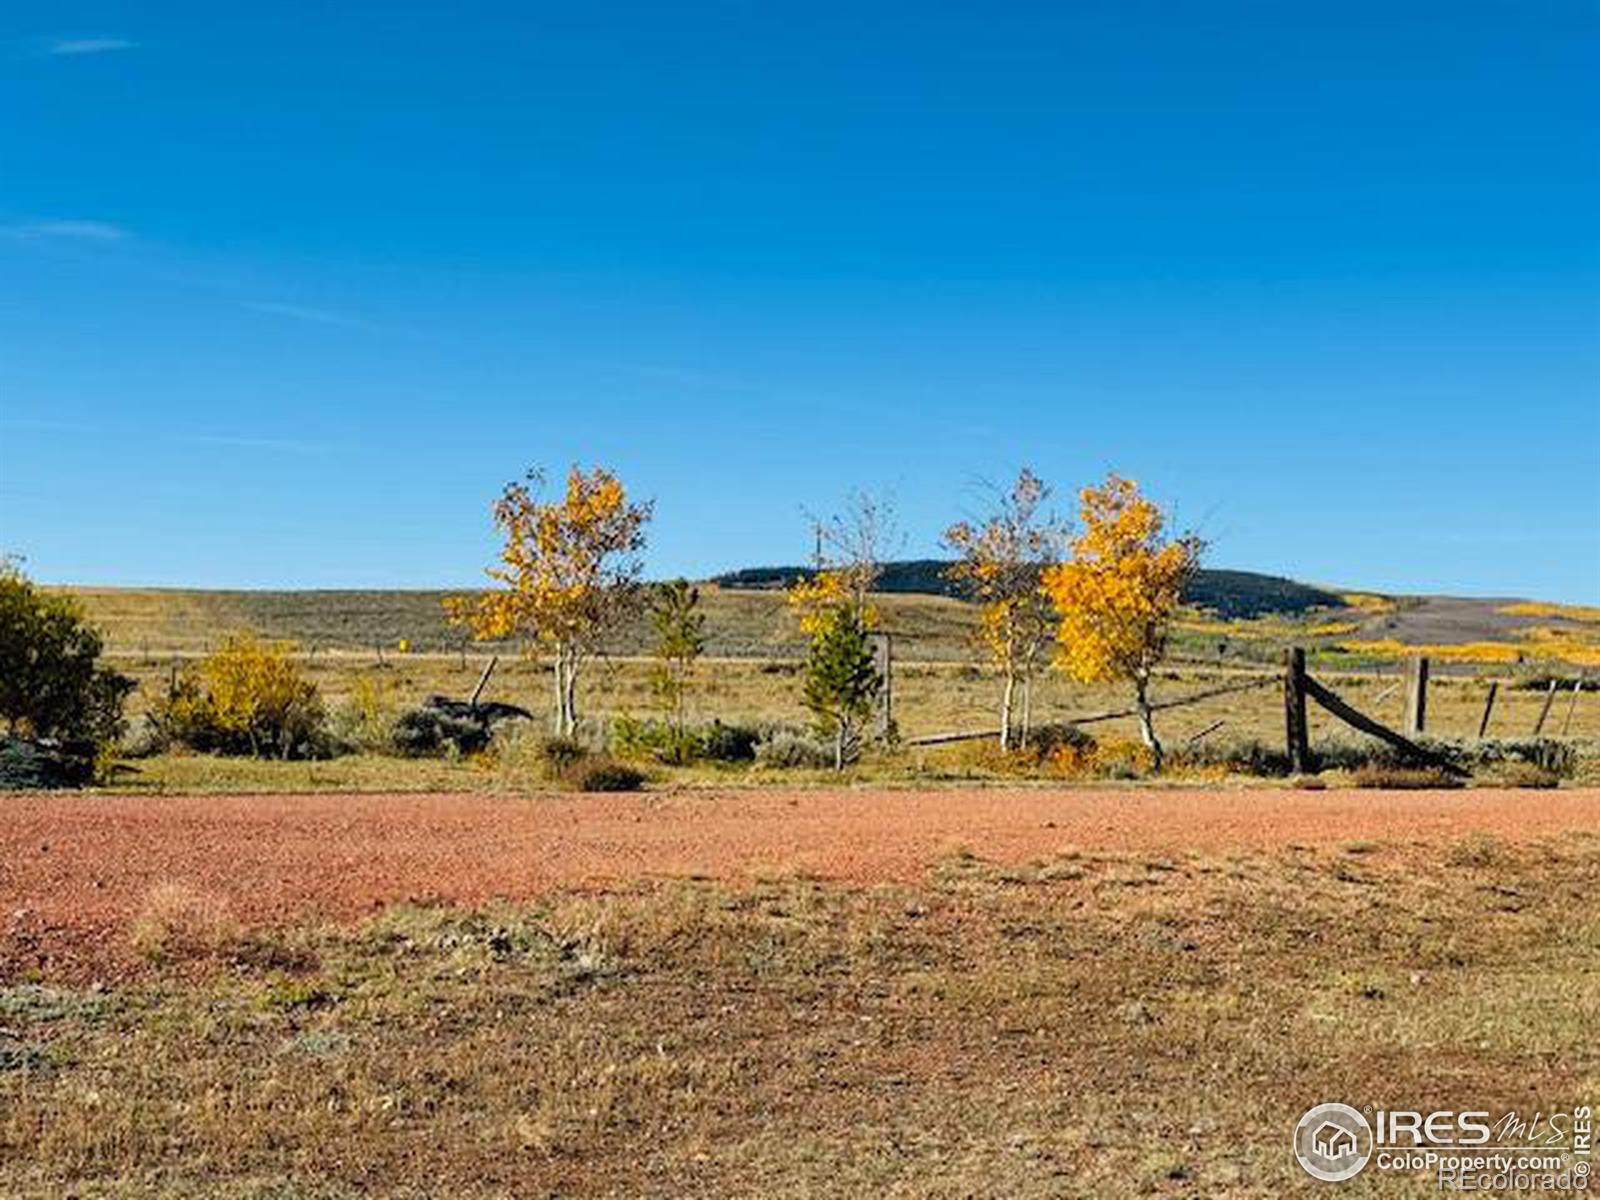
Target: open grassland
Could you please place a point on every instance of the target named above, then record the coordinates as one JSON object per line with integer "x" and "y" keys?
{"x": 1373, "y": 630}
{"x": 929, "y": 698}
{"x": 376, "y": 654}
{"x": 1105, "y": 1018}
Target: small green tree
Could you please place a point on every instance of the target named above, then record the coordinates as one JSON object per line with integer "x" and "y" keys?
{"x": 842, "y": 679}
{"x": 679, "y": 627}
{"x": 52, "y": 686}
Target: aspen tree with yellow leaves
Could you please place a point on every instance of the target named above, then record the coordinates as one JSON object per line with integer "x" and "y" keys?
{"x": 1118, "y": 591}
{"x": 1001, "y": 564}
{"x": 569, "y": 572}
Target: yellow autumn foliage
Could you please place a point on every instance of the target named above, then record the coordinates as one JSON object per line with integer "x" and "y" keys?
{"x": 1368, "y": 601}
{"x": 560, "y": 561}
{"x": 813, "y": 600}
{"x": 1538, "y": 643}
{"x": 566, "y": 567}
{"x": 1565, "y": 644}
{"x": 1117, "y": 594}
{"x": 1490, "y": 652}
{"x": 1585, "y": 613}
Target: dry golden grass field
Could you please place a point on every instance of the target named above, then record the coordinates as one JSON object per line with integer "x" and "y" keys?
{"x": 385, "y": 651}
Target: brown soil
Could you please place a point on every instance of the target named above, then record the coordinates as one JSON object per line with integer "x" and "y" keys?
{"x": 76, "y": 870}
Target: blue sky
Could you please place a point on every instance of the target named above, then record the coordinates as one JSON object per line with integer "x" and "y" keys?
{"x": 288, "y": 291}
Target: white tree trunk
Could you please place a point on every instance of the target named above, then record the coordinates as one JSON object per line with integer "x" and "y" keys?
{"x": 1147, "y": 728}
{"x": 558, "y": 672}
{"x": 572, "y": 694}
{"x": 1006, "y": 696}
{"x": 565, "y": 670}
{"x": 1027, "y": 706}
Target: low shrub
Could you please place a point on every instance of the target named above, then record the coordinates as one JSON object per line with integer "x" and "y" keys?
{"x": 659, "y": 742}
{"x": 366, "y": 719}
{"x": 1524, "y": 775}
{"x": 787, "y": 749}
{"x": 1557, "y": 757}
{"x": 28, "y": 763}
{"x": 1391, "y": 778}
{"x": 1249, "y": 756}
{"x": 601, "y": 774}
{"x": 422, "y": 732}
{"x": 1106, "y": 758}
{"x": 441, "y": 724}
{"x": 1047, "y": 741}
{"x": 730, "y": 743}
{"x": 1339, "y": 755}
{"x": 655, "y": 740}
{"x": 1542, "y": 682}
{"x": 1530, "y": 758}
{"x": 561, "y": 755}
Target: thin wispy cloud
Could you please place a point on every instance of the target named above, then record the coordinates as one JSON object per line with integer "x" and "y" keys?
{"x": 71, "y": 230}
{"x": 302, "y": 312}
{"x": 70, "y": 47}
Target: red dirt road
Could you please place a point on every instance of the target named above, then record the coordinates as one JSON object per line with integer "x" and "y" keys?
{"x": 74, "y": 870}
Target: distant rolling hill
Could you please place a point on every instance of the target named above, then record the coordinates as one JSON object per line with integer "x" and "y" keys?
{"x": 1233, "y": 595}
{"x": 746, "y": 616}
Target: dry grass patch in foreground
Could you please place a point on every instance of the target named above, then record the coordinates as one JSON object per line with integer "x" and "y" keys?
{"x": 1091, "y": 1025}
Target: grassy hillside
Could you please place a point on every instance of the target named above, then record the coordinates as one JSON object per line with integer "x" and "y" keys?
{"x": 755, "y": 623}
{"x": 738, "y": 624}
{"x": 1231, "y": 594}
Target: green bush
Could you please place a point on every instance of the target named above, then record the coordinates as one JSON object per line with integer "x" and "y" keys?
{"x": 27, "y": 764}
{"x": 1250, "y": 756}
{"x": 420, "y": 732}
{"x": 1551, "y": 755}
{"x": 659, "y": 742}
{"x": 53, "y": 690}
{"x": 654, "y": 740}
{"x": 729, "y": 743}
{"x": 366, "y": 720}
{"x": 787, "y": 749}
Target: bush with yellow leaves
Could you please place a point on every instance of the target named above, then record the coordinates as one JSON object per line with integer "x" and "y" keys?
{"x": 248, "y": 698}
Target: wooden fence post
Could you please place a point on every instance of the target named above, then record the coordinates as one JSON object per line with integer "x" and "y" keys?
{"x": 1416, "y": 696}
{"x": 1294, "y": 710}
{"x": 1577, "y": 686}
{"x": 883, "y": 654}
{"x": 1549, "y": 699}
{"x": 1488, "y": 707}
{"x": 483, "y": 680}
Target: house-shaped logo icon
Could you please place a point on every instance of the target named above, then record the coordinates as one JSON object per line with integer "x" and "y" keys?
{"x": 1333, "y": 1141}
